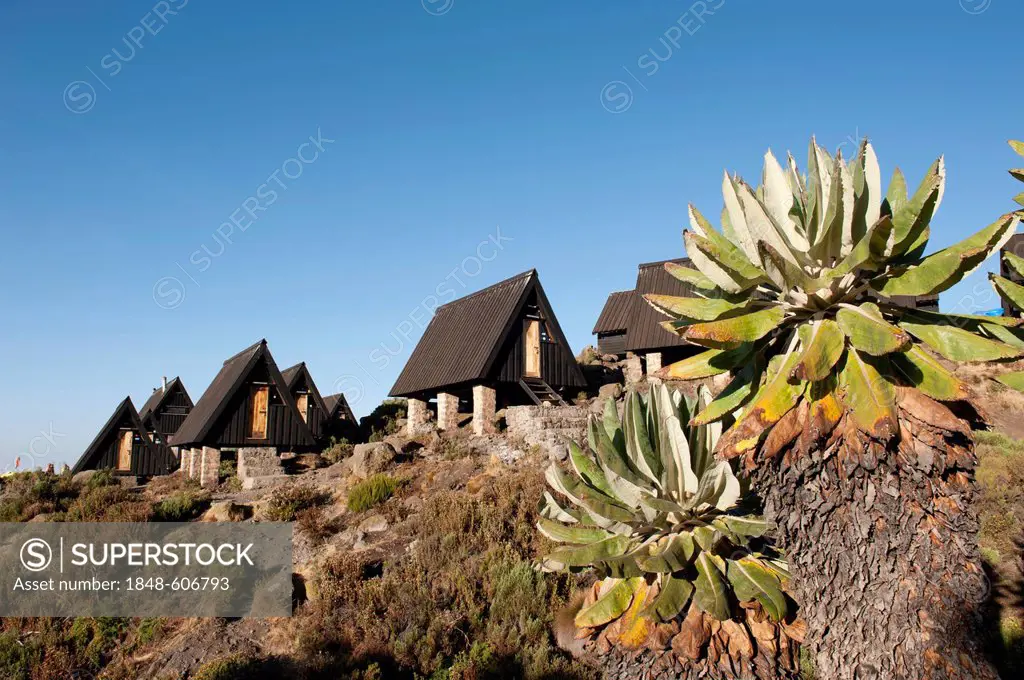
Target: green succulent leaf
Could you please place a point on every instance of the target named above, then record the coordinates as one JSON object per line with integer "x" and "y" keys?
{"x": 710, "y": 595}
{"x": 689, "y": 275}
{"x": 869, "y": 395}
{"x": 709, "y": 363}
{"x": 736, "y": 330}
{"x": 592, "y": 553}
{"x": 1014, "y": 292}
{"x": 925, "y": 373}
{"x": 557, "y": 531}
{"x": 958, "y": 344}
{"x": 751, "y": 580}
{"x": 823, "y": 343}
{"x": 674, "y": 596}
{"x": 943, "y": 269}
{"x": 747, "y": 525}
{"x": 896, "y": 197}
{"x": 670, "y": 554}
{"x": 870, "y": 251}
{"x": 704, "y": 309}
{"x": 611, "y": 605}
{"x": 869, "y": 332}
{"x": 1016, "y": 262}
{"x": 735, "y": 394}
{"x": 911, "y": 220}
{"x": 776, "y": 398}
{"x": 1014, "y": 380}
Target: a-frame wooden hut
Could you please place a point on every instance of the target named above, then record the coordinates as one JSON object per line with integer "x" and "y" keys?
{"x": 166, "y": 410}
{"x": 123, "y": 446}
{"x": 497, "y": 347}
{"x": 248, "y": 405}
{"x": 340, "y": 422}
{"x": 307, "y": 398}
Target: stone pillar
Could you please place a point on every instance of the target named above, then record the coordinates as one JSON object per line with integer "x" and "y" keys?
{"x": 447, "y": 411}
{"x": 186, "y": 455}
{"x": 195, "y": 457}
{"x": 653, "y": 366}
{"x": 417, "y": 416}
{"x": 632, "y": 370}
{"x": 209, "y": 468}
{"x": 483, "y": 410}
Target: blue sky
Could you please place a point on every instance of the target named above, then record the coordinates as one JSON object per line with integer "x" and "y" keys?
{"x": 129, "y": 135}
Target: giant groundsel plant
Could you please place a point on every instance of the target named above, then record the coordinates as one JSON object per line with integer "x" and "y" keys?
{"x": 801, "y": 295}
{"x": 660, "y": 520}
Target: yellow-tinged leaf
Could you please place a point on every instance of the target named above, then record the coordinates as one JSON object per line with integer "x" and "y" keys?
{"x": 775, "y": 399}
{"x": 1014, "y": 292}
{"x": 869, "y": 332}
{"x": 689, "y": 275}
{"x": 1013, "y": 380}
{"x": 707, "y": 364}
{"x": 710, "y": 595}
{"x": 1015, "y": 261}
{"x": 958, "y": 344}
{"x": 634, "y": 627}
{"x": 1017, "y": 146}
{"x": 940, "y": 271}
{"x": 869, "y": 395}
{"x": 674, "y": 595}
{"x": 926, "y": 374}
{"x": 737, "y": 329}
{"x": 610, "y": 605}
{"x": 708, "y": 260}
{"x": 823, "y": 343}
{"x": 704, "y": 309}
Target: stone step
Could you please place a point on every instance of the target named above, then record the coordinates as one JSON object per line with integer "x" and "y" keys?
{"x": 263, "y": 482}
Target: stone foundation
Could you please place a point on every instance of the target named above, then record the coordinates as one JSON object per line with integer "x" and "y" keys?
{"x": 257, "y": 466}
{"x": 447, "y": 411}
{"x": 186, "y": 462}
{"x": 484, "y": 399}
{"x": 549, "y": 427}
{"x": 653, "y": 365}
{"x": 632, "y": 370}
{"x": 209, "y": 468}
{"x": 195, "y": 457}
{"x": 417, "y": 417}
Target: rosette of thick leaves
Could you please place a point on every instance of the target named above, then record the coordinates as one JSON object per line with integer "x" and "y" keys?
{"x": 650, "y": 509}
{"x": 804, "y": 294}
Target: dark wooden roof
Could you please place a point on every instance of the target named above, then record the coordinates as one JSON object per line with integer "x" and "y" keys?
{"x": 645, "y": 332}
{"x": 335, "y": 403}
{"x": 231, "y": 377}
{"x": 292, "y": 375}
{"x": 464, "y": 337}
{"x": 156, "y": 399}
{"x": 617, "y": 310}
{"x": 124, "y": 411}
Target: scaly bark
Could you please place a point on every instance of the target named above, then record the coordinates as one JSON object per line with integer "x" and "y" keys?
{"x": 881, "y": 541}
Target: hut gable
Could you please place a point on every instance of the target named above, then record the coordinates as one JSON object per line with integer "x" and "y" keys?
{"x": 337, "y": 408}
{"x": 247, "y": 404}
{"x": 307, "y": 397}
{"x": 123, "y": 445}
{"x": 166, "y": 409}
{"x": 612, "y": 325}
{"x": 480, "y": 338}
{"x": 645, "y": 332}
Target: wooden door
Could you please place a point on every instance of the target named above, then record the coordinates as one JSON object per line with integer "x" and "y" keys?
{"x": 124, "y": 450}
{"x": 532, "y": 368}
{"x": 302, "y": 402}
{"x": 259, "y": 398}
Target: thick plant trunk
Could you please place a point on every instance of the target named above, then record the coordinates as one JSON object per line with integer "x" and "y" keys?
{"x": 882, "y": 543}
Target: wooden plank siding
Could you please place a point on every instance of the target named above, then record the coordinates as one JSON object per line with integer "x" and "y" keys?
{"x": 148, "y": 458}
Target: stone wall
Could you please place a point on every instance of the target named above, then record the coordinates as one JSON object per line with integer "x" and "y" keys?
{"x": 447, "y": 411}
{"x": 258, "y": 465}
{"x": 417, "y": 417}
{"x": 483, "y": 410}
{"x": 549, "y": 427}
{"x": 209, "y": 468}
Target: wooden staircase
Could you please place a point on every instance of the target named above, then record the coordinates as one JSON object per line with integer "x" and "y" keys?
{"x": 540, "y": 392}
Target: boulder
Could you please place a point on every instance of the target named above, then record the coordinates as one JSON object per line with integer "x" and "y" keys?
{"x": 612, "y": 391}
{"x": 369, "y": 459}
{"x": 373, "y": 524}
{"x": 84, "y": 476}
{"x": 227, "y": 511}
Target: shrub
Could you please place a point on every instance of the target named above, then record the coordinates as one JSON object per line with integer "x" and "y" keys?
{"x": 285, "y": 503}
{"x": 464, "y": 603}
{"x": 384, "y": 419}
{"x": 454, "y": 449}
{"x": 339, "y": 450}
{"x": 372, "y": 492}
{"x": 109, "y": 504}
{"x": 235, "y": 667}
{"x": 181, "y": 507}
{"x": 27, "y": 494}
